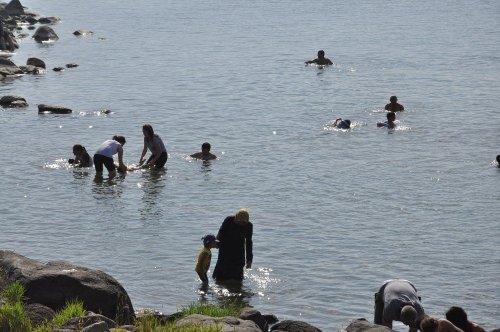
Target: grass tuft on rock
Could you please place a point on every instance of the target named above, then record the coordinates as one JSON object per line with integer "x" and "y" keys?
{"x": 212, "y": 310}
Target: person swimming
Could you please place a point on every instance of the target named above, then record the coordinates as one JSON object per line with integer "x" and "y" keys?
{"x": 320, "y": 60}
{"x": 390, "y": 123}
{"x": 394, "y": 106}
{"x": 342, "y": 124}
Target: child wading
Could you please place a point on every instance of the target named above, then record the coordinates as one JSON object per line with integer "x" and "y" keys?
{"x": 205, "y": 256}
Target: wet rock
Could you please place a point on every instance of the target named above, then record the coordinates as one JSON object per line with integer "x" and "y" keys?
{"x": 294, "y": 326}
{"x": 53, "y": 109}
{"x": 35, "y": 62}
{"x": 71, "y": 65}
{"x": 45, "y": 33}
{"x": 270, "y": 319}
{"x": 29, "y": 69}
{"x": 8, "y": 68}
{"x": 14, "y": 8}
{"x": 13, "y": 101}
{"x": 58, "y": 69}
{"x": 49, "y": 20}
{"x": 54, "y": 283}
{"x": 83, "y": 33}
{"x": 31, "y": 27}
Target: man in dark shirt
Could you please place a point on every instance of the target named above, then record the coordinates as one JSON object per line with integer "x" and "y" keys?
{"x": 394, "y": 106}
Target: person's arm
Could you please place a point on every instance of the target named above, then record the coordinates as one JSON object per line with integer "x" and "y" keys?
{"x": 381, "y": 124}
{"x": 156, "y": 153}
{"x": 144, "y": 151}
{"x": 120, "y": 158}
{"x": 447, "y": 326}
{"x": 311, "y": 61}
{"x": 249, "y": 245}
{"x": 328, "y": 61}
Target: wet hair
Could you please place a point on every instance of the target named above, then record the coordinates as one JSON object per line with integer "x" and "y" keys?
{"x": 429, "y": 324}
{"x": 393, "y": 99}
{"x": 206, "y": 146}
{"x": 321, "y": 53}
{"x": 207, "y": 239}
{"x": 458, "y": 317}
{"x": 78, "y": 147}
{"x": 391, "y": 116}
{"x": 119, "y": 139}
{"x": 149, "y": 129}
{"x": 419, "y": 320}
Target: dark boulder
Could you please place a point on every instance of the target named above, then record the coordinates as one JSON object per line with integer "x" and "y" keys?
{"x": 83, "y": 33}
{"x": 14, "y": 8}
{"x": 35, "y": 62}
{"x": 29, "y": 69}
{"x": 8, "y": 68}
{"x": 45, "y": 33}
{"x": 58, "y": 69}
{"x": 55, "y": 283}
{"x": 49, "y": 20}
{"x": 362, "y": 325}
{"x": 71, "y": 65}
{"x": 38, "y": 313}
{"x": 13, "y": 101}
{"x": 294, "y": 326}
{"x": 53, "y": 109}
{"x": 255, "y": 316}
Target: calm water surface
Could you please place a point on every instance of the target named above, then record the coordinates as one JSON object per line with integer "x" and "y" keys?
{"x": 334, "y": 213}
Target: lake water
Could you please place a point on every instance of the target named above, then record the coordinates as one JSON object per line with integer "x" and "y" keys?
{"x": 335, "y": 213}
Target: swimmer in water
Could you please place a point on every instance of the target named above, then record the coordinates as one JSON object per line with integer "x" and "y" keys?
{"x": 342, "y": 124}
{"x": 205, "y": 153}
{"x": 394, "y": 106}
{"x": 390, "y": 123}
{"x": 320, "y": 60}
{"x": 498, "y": 160}
{"x": 82, "y": 158}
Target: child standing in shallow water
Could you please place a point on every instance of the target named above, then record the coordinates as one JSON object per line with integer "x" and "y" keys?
{"x": 205, "y": 256}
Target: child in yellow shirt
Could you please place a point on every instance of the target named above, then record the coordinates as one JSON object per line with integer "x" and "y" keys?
{"x": 205, "y": 256}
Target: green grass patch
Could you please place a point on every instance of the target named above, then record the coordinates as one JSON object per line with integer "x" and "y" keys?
{"x": 13, "y": 293}
{"x": 149, "y": 324}
{"x": 212, "y": 310}
{"x": 13, "y": 318}
{"x": 72, "y": 309}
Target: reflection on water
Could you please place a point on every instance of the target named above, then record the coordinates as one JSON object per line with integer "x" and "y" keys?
{"x": 152, "y": 185}
{"x": 105, "y": 188}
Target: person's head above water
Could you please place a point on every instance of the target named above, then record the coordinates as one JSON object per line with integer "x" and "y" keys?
{"x": 408, "y": 315}
{"x": 393, "y": 99}
{"x": 321, "y": 54}
{"x": 77, "y": 149}
{"x": 119, "y": 139}
{"x": 498, "y": 160}
{"x": 205, "y": 147}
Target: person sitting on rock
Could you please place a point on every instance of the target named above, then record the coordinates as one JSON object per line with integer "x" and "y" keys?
{"x": 320, "y": 60}
{"x": 394, "y": 106}
{"x": 205, "y": 153}
{"x": 458, "y": 317}
{"x": 431, "y": 324}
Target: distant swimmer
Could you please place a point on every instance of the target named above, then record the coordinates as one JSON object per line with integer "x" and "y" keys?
{"x": 82, "y": 158}
{"x": 321, "y": 60}
{"x": 205, "y": 153}
{"x": 498, "y": 160}
{"x": 390, "y": 123}
{"x": 104, "y": 156}
{"x": 394, "y": 106}
{"x": 153, "y": 143}
{"x": 342, "y": 124}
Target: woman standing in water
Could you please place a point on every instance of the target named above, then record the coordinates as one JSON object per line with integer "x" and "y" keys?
{"x": 153, "y": 143}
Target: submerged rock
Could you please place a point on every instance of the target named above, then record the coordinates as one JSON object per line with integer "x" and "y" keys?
{"x": 83, "y": 33}
{"x": 49, "y": 20}
{"x": 42, "y": 108}
{"x": 45, "y": 33}
{"x": 362, "y": 325}
{"x": 9, "y": 68}
{"x": 13, "y": 101}
{"x": 35, "y": 62}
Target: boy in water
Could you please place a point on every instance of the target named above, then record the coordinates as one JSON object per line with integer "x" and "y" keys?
{"x": 390, "y": 123}
{"x": 205, "y": 256}
{"x": 205, "y": 153}
{"x": 320, "y": 60}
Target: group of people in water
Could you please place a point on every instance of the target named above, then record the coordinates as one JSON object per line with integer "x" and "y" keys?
{"x": 103, "y": 157}
{"x": 392, "y": 107}
{"x": 397, "y": 300}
